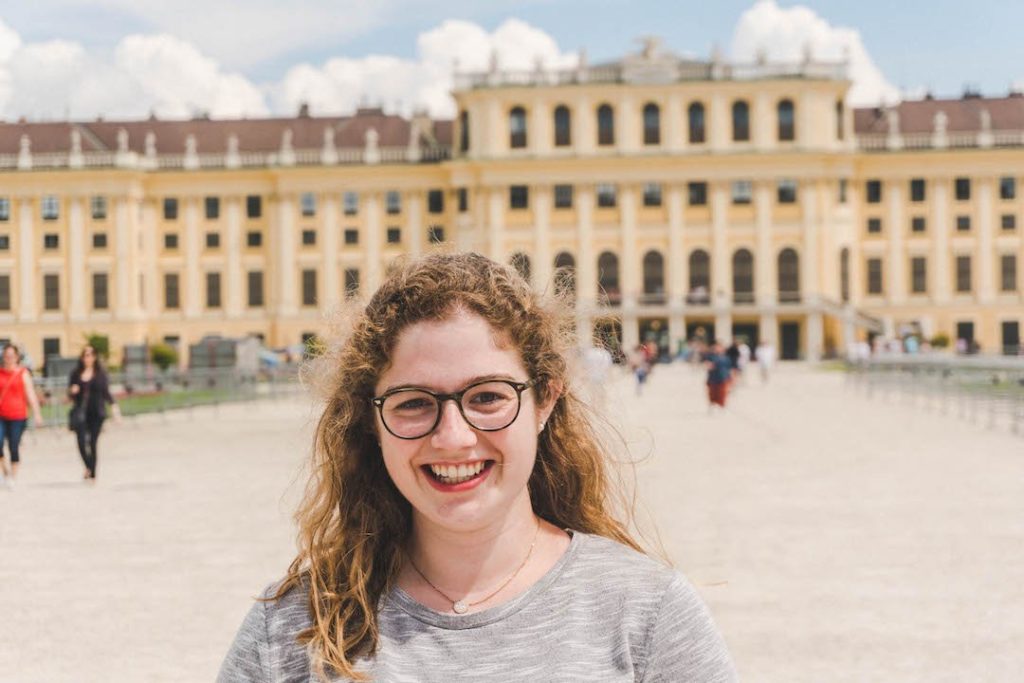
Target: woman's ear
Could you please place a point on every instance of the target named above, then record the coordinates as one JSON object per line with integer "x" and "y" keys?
{"x": 553, "y": 389}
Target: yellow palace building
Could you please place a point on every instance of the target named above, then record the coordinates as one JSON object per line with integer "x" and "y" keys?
{"x": 666, "y": 194}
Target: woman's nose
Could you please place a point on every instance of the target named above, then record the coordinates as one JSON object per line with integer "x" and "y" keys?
{"x": 453, "y": 432}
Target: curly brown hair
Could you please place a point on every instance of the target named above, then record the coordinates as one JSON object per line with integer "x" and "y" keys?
{"x": 353, "y": 522}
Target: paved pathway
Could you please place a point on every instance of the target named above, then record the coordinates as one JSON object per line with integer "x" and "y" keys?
{"x": 836, "y": 538}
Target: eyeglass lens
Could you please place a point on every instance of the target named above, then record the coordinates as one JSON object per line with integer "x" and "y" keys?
{"x": 412, "y": 413}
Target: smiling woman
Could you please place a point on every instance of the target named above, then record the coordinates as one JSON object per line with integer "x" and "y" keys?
{"x": 459, "y": 524}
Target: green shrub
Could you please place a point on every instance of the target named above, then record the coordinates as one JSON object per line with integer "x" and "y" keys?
{"x": 163, "y": 355}
{"x": 100, "y": 343}
{"x": 940, "y": 341}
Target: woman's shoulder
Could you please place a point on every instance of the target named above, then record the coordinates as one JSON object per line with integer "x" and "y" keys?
{"x": 603, "y": 557}
{"x": 285, "y": 611}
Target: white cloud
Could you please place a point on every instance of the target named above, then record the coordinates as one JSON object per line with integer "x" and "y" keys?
{"x": 782, "y": 34}
{"x": 341, "y": 83}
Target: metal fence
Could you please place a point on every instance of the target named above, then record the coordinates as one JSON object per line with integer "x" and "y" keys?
{"x": 159, "y": 392}
{"x": 988, "y": 391}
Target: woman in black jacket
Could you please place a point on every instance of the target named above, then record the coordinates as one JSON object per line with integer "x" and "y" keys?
{"x": 89, "y": 388}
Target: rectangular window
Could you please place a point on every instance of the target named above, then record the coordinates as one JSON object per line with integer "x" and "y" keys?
{"x": 1008, "y": 221}
{"x": 874, "y": 276}
{"x": 253, "y": 239}
{"x": 652, "y": 194}
{"x": 350, "y": 203}
{"x": 697, "y": 194}
{"x": 309, "y": 287}
{"x": 918, "y": 275}
{"x": 51, "y": 292}
{"x": 99, "y": 291}
{"x": 213, "y": 290}
{"x": 307, "y": 202}
{"x": 873, "y": 191}
{"x": 253, "y": 206}
{"x": 393, "y": 202}
{"x": 351, "y": 236}
{"x": 213, "y": 240}
{"x": 170, "y": 209}
{"x": 874, "y": 225}
{"x": 51, "y": 347}
{"x": 5, "y": 292}
{"x": 98, "y": 208}
{"x": 435, "y": 201}
{"x": 51, "y": 240}
{"x": 435, "y": 234}
{"x": 1011, "y": 338}
{"x": 963, "y": 273}
{"x": 308, "y": 237}
{"x": 1008, "y": 188}
{"x": 963, "y": 223}
{"x": 5, "y": 209}
{"x": 394, "y": 235}
{"x": 917, "y": 190}
{"x": 787, "y": 192}
{"x": 170, "y": 240}
{"x": 99, "y": 240}
{"x": 463, "y": 194}
{"x": 5, "y": 242}
{"x": 917, "y": 224}
{"x": 211, "y": 207}
{"x": 843, "y": 189}
{"x": 255, "y": 288}
{"x": 171, "y": 299}
{"x": 563, "y": 196}
{"x": 606, "y": 195}
{"x": 51, "y": 208}
{"x": 742, "y": 191}
{"x": 351, "y": 282}
{"x": 963, "y": 189}
{"x": 519, "y": 197}
{"x": 1008, "y": 273}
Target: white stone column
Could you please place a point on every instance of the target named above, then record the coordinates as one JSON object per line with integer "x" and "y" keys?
{"x": 810, "y": 259}
{"x": 720, "y": 289}
{"x": 627, "y": 133}
{"x": 897, "y": 278}
{"x": 629, "y": 263}
{"x": 330, "y": 295}
{"x": 815, "y": 336}
{"x": 77, "y": 285}
{"x": 27, "y": 271}
{"x": 494, "y": 140}
{"x": 126, "y": 209}
{"x": 414, "y": 221}
{"x": 540, "y": 131}
{"x": 194, "y": 299}
{"x": 586, "y": 264}
{"x": 673, "y": 125}
{"x": 496, "y": 224}
{"x": 676, "y": 263}
{"x": 764, "y": 260}
{"x": 986, "y": 277}
{"x": 236, "y": 298}
{"x": 151, "y": 275}
{"x": 763, "y": 121}
{"x": 542, "y": 259}
{"x": 768, "y": 328}
{"x": 374, "y": 229}
{"x": 584, "y": 126}
{"x": 940, "y": 241}
{"x": 284, "y": 238}
{"x": 718, "y": 125}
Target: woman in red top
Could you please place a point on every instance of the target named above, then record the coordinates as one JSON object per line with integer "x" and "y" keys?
{"x": 17, "y": 393}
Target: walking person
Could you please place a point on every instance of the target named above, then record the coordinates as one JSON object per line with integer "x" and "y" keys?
{"x": 640, "y": 365}
{"x": 17, "y": 395}
{"x": 89, "y": 389}
{"x": 765, "y": 357}
{"x": 720, "y": 369}
{"x": 458, "y": 526}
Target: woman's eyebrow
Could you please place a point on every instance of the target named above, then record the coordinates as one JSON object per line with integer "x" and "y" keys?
{"x": 472, "y": 380}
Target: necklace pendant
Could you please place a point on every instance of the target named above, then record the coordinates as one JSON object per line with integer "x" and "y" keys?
{"x": 460, "y": 607}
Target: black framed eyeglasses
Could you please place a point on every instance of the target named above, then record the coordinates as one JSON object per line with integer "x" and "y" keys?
{"x": 489, "y": 406}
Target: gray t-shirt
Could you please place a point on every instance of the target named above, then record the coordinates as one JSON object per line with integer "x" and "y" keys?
{"x": 603, "y": 613}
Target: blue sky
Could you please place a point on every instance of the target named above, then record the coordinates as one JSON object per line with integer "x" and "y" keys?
{"x": 129, "y": 57}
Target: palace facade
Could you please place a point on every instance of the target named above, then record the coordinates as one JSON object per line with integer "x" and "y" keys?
{"x": 665, "y": 194}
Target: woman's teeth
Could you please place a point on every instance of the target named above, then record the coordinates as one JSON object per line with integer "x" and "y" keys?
{"x": 456, "y": 474}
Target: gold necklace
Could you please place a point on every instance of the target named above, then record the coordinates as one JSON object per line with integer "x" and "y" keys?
{"x": 461, "y": 606}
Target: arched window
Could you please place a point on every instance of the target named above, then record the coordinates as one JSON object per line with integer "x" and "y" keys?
{"x": 840, "y": 123}
{"x": 464, "y": 131}
{"x": 743, "y": 277}
{"x": 521, "y": 262}
{"x": 563, "y": 126}
{"x": 787, "y": 121}
{"x": 565, "y": 275}
{"x": 654, "y": 277}
{"x": 652, "y": 124}
{"x": 517, "y": 128}
{"x": 844, "y": 274}
{"x": 700, "y": 277}
{"x": 740, "y": 121}
{"x": 695, "y": 114}
{"x": 605, "y": 125}
{"x": 789, "y": 276}
{"x": 608, "y": 278}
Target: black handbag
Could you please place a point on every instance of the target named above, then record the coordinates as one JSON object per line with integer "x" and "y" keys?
{"x": 76, "y": 416}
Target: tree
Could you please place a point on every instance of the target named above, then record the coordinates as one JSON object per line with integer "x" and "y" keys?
{"x": 163, "y": 355}
{"x": 100, "y": 344}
